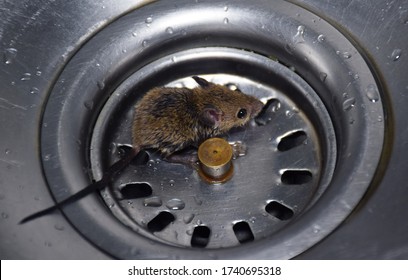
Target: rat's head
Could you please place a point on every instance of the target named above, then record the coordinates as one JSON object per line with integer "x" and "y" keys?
{"x": 224, "y": 108}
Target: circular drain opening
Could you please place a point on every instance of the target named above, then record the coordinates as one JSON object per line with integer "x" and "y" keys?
{"x": 305, "y": 43}
{"x": 283, "y": 165}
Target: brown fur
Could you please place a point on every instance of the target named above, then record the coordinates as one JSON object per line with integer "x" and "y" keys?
{"x": 170, "y": 119}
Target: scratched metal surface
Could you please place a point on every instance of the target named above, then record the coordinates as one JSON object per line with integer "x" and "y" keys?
{"x": 37, "y": 38}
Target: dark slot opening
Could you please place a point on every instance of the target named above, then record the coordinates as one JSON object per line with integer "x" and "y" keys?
{"x": 279, "y": 210}
{"x": 160, "y": 222}
{"x": 265, "y": 115}
{"x": 136, "y": 190}
{"x": 243, "y": 232}
{"x": 201, "y": 237}
{"x": 296, "y": 177}
{"x": 141, "y": 159}
{"x": 292, "y": 140}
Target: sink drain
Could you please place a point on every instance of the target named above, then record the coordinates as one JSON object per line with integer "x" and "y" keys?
{"x": 274, "y": 179}
{"x": 301, "y": 166}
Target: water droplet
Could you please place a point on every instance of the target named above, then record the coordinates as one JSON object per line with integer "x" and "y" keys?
{"x": 349, "y": 103}
{"x": 379, "y": 119}
{"x": 372, "y": 93}
{"x": 276, "y": 106}
{"x": 396, "y": 54}
{"x": 47, "y": 157}
{"x": 189, "y": 232}
{"x": 89, "y": 104}
{"x": 34, "y": 90}
{"x": 26, "y": 77}
{"x": 144, "y": 43}
{"x": 59, "y": 227}
{"x": 197, "y": 200}
{"x": 4, "y": 215}
{"x": 111, "y": 205}
{"x": 352, "y": 121}
{"x": 174, "y": 59}
{"x": 153, "y": 201}
{"x": 226, "y": 20}
{"x": 323, "y": 76}
{"x": 347, "y": 55}
{"x": 134, "y": 34}
{"x": 188, "y": 218}
{"x": 291, "y": 113}
{"x": 321, "y": 38}
{"x": 124, "y": 51}
{"x": 169, "y": 30}
{"x": 9, "y": 55}
{"x": 38, "y": 73}
{"x": 226, "y": 9}
{"x": 175, "y": 204}
{"x": 101, "y": 85}
{"x": 299, "y": 37}
{"x": 7, "y": 151}
{"x": 171, "y": 182}
{"x": 149, "y": 20}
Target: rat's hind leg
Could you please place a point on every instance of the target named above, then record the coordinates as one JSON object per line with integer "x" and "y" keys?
{"x": 186, "y": 156}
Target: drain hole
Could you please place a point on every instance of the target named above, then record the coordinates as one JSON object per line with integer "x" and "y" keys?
{"x": 296, "y": 177}
{"x": 265, "y": 116}
{"x": 141, "y": 159}
{"x": 243, "y": 232}
{"x": 279, "y": 211}
{"x": 136, "y": 190}
{"x": 201, "y": 237}
{"x": 123, "y": 149}
{"x": 292, "y": 140}
{"x": 160, "y": 222}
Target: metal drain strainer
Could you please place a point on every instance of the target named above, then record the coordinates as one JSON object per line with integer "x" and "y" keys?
{"x": 277, "y": 174}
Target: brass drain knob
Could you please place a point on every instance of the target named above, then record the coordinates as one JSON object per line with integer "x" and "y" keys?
{"x": 215, "y": 155}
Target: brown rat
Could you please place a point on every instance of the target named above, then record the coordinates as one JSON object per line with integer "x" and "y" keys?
{"x": 172, "y": 119}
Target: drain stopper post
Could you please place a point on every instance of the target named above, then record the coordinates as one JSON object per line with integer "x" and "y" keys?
{"x": 215, "y": 155}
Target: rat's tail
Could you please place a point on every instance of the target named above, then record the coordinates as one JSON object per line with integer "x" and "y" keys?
{"x": 107, "y": 176}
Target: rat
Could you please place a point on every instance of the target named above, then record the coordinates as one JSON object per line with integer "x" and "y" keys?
{"x": 172, "y": 119}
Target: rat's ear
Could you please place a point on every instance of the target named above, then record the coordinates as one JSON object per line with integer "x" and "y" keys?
{"x": 211, "y": 116}
{"x": 202, "y": 82}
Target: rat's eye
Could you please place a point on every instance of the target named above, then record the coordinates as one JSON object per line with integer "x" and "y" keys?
{"x": 242, "y": 113}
